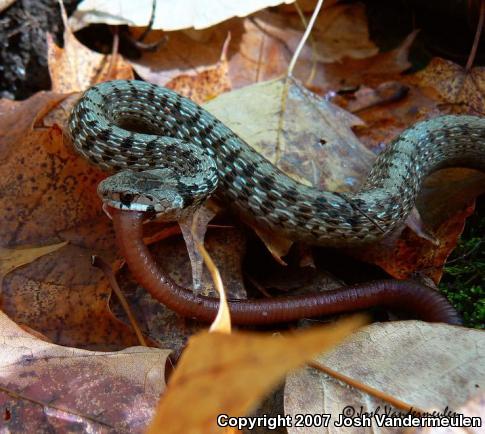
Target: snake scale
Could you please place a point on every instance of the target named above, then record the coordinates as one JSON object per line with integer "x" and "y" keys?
{"x": 169, "y": 155}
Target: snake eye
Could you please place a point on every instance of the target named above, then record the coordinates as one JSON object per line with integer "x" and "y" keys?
{"x": 126, "y": 199}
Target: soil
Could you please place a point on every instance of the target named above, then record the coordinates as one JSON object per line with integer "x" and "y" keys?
{"x": 23, "y": 28}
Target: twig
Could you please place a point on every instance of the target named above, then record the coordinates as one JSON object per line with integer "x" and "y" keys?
{"x": 114, "y": 52}
{"x": 150, "y": 23}
{"x": 305, "y": 37}
{"x": 108, "y": 272}
{"x": 478, "y": 33}
{"x": 401, "y": 405}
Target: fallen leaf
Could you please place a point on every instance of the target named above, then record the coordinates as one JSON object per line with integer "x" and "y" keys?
{"x": 168, "y": 15}
{"x": 429, "y": 366}
{"x": 206, "y": 84}
{"x": 229, "y": 374}
{"x": 10, "y": 259}
{"x": 454, "y": 85}
{"x": 75, "y": 67}
{"x": 309, "y": 138}
{"x": 473, "y": 408}
{"x": 48, "y": 195}
{"x": 261, "y": 47}
{"x": 47, "y": 387}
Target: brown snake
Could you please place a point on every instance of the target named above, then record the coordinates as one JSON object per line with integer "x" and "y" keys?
{"x": 171, "y": 155}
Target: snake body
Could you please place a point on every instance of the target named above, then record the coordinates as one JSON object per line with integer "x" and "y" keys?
{"x": 170, "y": 155}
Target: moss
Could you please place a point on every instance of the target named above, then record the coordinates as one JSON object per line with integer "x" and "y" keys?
{"x": 464, "y": 279}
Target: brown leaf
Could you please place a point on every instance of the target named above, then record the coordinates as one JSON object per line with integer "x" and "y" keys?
{"x": 10, "y": 259}
{"x": 454, "y": 85}
{"x": 429, "y": 366}
{"x": 75, "y": 67}
{"x": 229, "y": 374}
{"x": 48, "y": 195}
{"x": 206, "y": 84}
{"x": 47, "y": 387}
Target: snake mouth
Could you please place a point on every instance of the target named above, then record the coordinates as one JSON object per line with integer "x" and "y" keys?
{"x": 131, "y": 202}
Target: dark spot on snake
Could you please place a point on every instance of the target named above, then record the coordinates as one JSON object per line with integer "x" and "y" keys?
{"x": 127, "y": 142}
{"x": 249, "y": 170}
{"x": 231, "y": 156}
{"x": 196, "y": 117}
{"x": 91, "y": 123}
{"x": 133, "y": 88}
{"x": 177, "y": 104}
{"x": 305, "y": 208}
{"x": 151, "y": 94}
{"x": 267, "y": 206}
{"x": 94, "y": 89}
{"x": 104, "y": 135}
{"x": 170, "y": 148}
{"x": 216, "y": 144}
{"x": 229, "y": 177}
{"x": 272, "y": 195}
{"x": 74, "y": 132}
{"x": 151, "y": 145}
{"x": 283, "y": 218}
{"x": 131, "y": 160}
{"x": 267, "y": 182}
{"x": 207, "y": 131}
{"x": 188, "y": 200}
{"x": 81, "y": 111}
{"x": 185, "y": 153}
{"x": 291, "y": 195}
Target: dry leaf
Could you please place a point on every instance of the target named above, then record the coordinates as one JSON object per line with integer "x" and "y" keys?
{"x": 4, "y": 4}
{"x": 474, "y": 408}
{"x": 169, "y": 15}
{"x": 454, "y": 85}
{"x": 428, "y": 366}
{"x": 47, "y": 387}
{"x": 10, "y": 259}
{"x": 75, "y": 67}
{"x": 220, "y": 373}
{"x": 48, "y": 195}
{"x": 311, "y": 140}
{"x": 261, "y": 47}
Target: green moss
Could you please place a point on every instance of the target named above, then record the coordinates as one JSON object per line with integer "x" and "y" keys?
{"x": 464, "y": 278}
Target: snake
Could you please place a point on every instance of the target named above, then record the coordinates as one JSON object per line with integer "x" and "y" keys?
{"x": 167, "y": 155}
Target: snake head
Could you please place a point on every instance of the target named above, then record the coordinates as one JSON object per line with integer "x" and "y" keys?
{"x": 150, "y": 191}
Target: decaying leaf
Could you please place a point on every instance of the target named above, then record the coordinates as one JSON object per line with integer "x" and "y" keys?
{"x": 261, "y": 47}
{"x": 455, "y": 86}
{"x": 432, "y": 367}
{"x": 220, "y": 373}
{"x": 45, "y": 386}
{"x": 75, "y": 67}
{"x": 10, "y": 259}
{"x": 307, "y": 137}
{"x": 48, "y": 196}
{"x": 168, "y": 15}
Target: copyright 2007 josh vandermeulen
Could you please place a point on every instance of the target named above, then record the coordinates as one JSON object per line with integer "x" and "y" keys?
{"x": 352, "y": 417}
